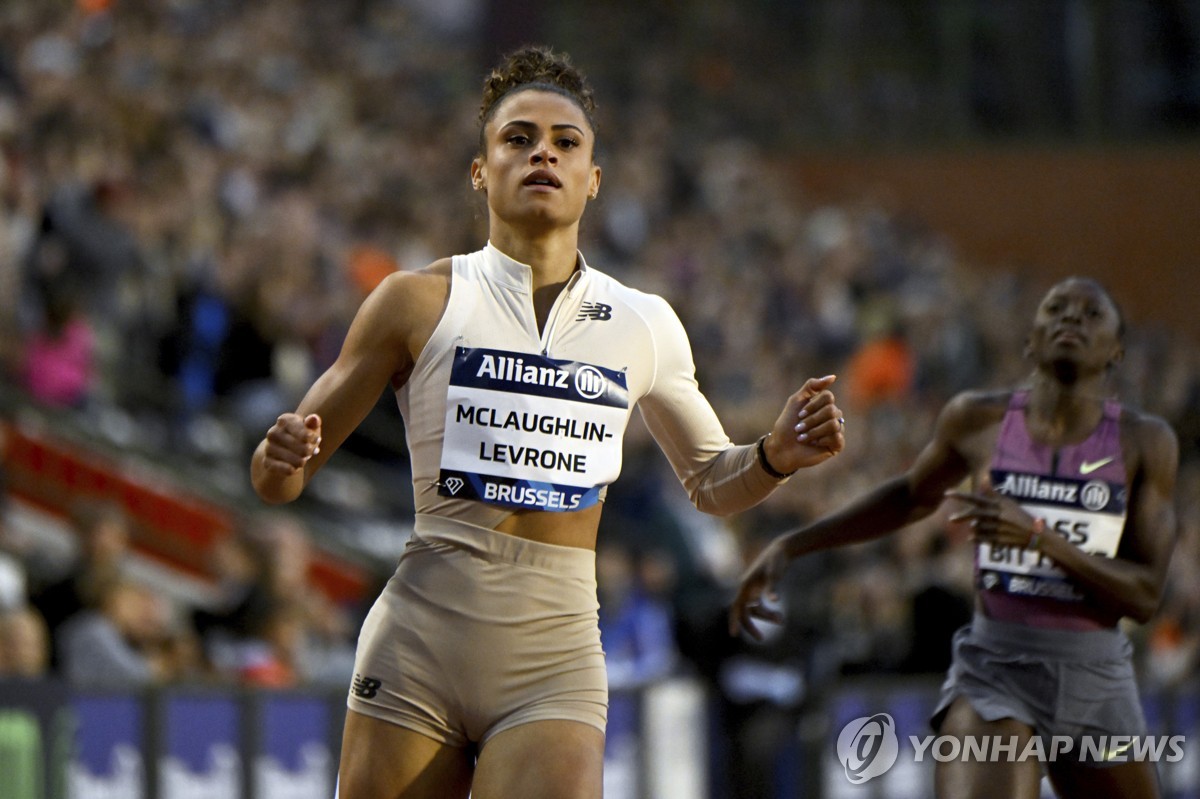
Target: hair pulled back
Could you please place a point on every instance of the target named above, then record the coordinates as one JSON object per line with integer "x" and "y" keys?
{"x": 535, "y": 68}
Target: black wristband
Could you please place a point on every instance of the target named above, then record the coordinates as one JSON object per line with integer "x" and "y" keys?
{"x": 766, "y": 464}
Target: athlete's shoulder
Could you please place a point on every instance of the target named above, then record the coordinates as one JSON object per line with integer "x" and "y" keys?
{"x": 636, "y": 298}
{"x": 971, "y": 412}
{"x": 433, "y": 274}
{"x": 604, "y": 282}
{"x": 1152, "y": 433}
{"x": 653, "y": 309}
{"x": 408, "y": 295}
{"x": 983, "y": 405}
{"x": 441, "y": 268}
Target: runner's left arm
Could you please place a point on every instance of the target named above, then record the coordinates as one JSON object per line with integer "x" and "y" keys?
{"x": 720, "y": 477}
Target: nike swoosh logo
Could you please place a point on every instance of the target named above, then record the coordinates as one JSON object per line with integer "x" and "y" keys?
{"x": 1087, "y": 467}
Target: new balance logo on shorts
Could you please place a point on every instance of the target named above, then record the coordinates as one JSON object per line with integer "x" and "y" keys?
{"x": 365, "y": 687}
{"x": 596, "y": 311}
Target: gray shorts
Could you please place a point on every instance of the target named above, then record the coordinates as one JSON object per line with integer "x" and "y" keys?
{"x": 479, "y": 631}
{"x": 1059, "y": 682}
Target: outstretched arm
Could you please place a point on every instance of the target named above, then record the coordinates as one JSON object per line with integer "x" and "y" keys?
{"x": 720, "y": 477}
{"x": 890, "y": 506}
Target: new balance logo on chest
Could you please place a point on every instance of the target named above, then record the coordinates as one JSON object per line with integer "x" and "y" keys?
{"x": 595, "y": 311}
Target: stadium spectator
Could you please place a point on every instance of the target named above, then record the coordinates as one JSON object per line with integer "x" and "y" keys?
{"x": 103, "y": 532}
{"x": 118, "y": 641}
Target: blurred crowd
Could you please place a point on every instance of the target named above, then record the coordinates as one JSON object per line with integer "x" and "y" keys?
{"x": 196, "y": 195}
{"x": 98, "y": 618}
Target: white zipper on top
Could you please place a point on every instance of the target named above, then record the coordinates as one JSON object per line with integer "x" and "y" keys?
{"x": 556, "y": 311}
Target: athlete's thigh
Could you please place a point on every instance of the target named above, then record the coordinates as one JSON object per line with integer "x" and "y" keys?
{"x": 1125, "y": 781}
{"x": 542, "y": 760}
{"x": 381, "y": 760}
{"x": 960, "y": 779}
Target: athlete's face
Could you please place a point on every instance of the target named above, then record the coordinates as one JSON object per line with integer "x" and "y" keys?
{"x": 537, "y": 163}
{"x": 1077, "y": 323}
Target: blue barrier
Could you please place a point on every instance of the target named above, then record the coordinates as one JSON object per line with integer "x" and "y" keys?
{"x": 169, "y": 743}
{"x": 199, "y": 743}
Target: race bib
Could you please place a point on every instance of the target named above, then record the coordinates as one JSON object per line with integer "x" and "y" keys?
{"x": 1090, "y": 514}
{"x": 527, "y": 431}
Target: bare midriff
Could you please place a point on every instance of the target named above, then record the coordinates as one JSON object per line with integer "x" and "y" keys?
{"x": 574, "y": 529}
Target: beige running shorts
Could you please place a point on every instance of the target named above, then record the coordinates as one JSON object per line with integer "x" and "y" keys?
{"x": 478, "y": 632}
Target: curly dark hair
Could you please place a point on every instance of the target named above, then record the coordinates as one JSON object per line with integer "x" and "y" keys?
{"x": 535, "y": 68}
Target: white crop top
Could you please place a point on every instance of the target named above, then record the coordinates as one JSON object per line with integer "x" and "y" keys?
{"x": 500, "y": 418}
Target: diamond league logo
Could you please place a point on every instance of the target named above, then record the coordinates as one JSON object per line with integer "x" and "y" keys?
{"x": 868, "y": 747}
{"x": 453, "y": 484}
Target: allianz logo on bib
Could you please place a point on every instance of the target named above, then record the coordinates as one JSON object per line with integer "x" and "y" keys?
{"x": 515, "y": 370}
{"x": 530, "y": 374}
{"x": 590, "y": 382}
{"x": 1093, "y": 495}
